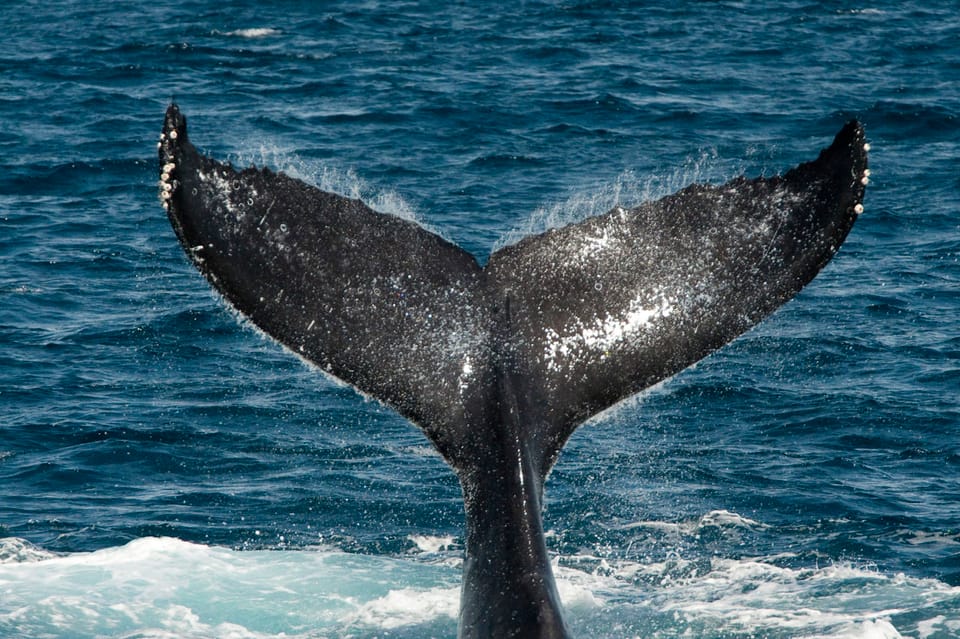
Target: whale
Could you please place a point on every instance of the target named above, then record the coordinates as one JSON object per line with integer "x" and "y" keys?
{"x": 499, "y": 364}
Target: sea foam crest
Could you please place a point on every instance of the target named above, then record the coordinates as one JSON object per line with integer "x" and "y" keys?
{"x": 161, "y": 587}
{"x": 253, "y": 32}
{"x": 432, "y": 544}
{"x": 15, "y": 551}
{"x": 406, "y": 607}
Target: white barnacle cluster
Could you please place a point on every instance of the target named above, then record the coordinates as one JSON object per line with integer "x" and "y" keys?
{"x": 864, "y": 180}
{"x": 597, "y": 337}
{"x": 233, "y": 195}
{"x": 166, "y": 184}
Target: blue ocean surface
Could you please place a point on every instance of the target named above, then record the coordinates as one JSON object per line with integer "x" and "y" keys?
{"x": 167, "y": 471}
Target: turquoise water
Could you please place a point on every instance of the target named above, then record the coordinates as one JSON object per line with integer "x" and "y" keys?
{"x": 167, "y": 472}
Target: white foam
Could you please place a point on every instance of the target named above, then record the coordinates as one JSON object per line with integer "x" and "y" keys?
{"x": 725, "y": 518}
{"x": 422, "y": 451}
{"x": 577, "y": 589}
{"x": 936, "y": 625}
{"x": 16, "y": 551}
{"x": 921, "y": 538}
{"x": 163, "y": 588}
{"x": 714, "y": 518}
{"x": 431, "y": 543}
{"x": 254, "y": 32}
{"x": 872, "y": 629}
{"x": 754, "y": 597}
{"x": 407, "y": 607}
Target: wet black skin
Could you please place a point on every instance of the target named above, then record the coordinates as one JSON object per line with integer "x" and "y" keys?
{"x": 499, "y": 365}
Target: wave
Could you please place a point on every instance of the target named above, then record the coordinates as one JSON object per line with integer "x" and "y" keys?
{"x": 252, "y": 33}
{"x": 164, "y": 587}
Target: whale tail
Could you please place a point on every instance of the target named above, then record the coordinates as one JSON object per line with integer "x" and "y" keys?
{"x": 499, "y": 365}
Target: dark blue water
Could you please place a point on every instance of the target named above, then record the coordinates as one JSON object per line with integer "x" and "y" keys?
{"x": 165, "y": 471}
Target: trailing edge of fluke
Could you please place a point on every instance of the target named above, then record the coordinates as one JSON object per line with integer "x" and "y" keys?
{"x": 498, "y": 365}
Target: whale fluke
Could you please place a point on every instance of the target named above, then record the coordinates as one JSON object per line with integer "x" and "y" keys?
{"x": 499, "y": 365}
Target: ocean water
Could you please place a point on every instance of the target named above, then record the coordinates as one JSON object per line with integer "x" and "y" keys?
{"x": 165, "y": 471}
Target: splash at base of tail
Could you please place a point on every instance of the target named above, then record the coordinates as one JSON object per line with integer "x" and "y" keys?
{"x": 499, "y": 365}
